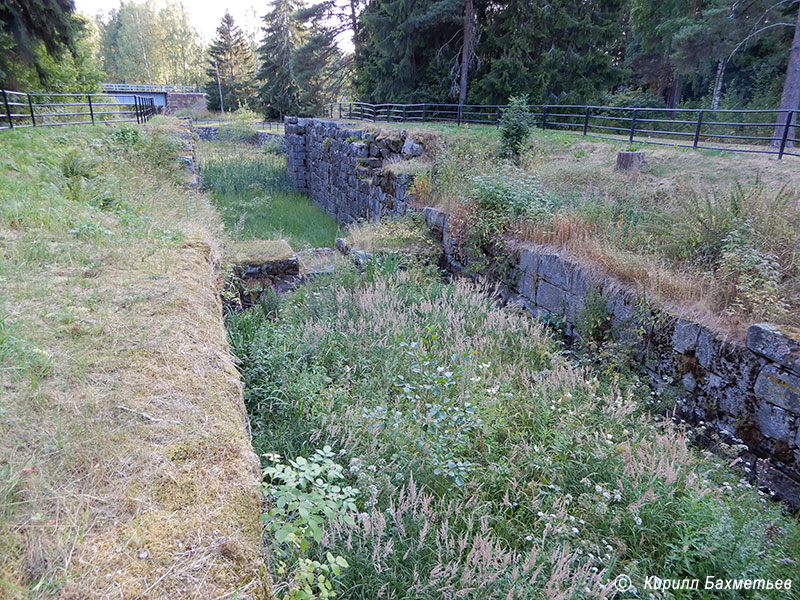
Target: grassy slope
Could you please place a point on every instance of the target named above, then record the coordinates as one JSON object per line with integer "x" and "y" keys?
{"x": 661, "y": 229}
{"x": 250, "y": 188}
{"x": 489, "y": 464}
{"x": 125, "y": 465}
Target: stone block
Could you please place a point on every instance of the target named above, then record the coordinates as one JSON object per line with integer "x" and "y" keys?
{"x": 622, "y": 306}
{"x": 551, "y": 269}
{"x": 550, "y": 297}
{"x": 773, "y": 421}
{"x": 779, "y": 387}
{"x": 574, "y": 306}
{"x": 528, "y": 260}
{"x": 579, "y": 283}
{"x": 787, "y": 488}
{"x": 527, "y": 285}
{"x": 684, "y": 336}
{"x": 774, "y": 343}
{"x": 412, "y": 148}
{"x": 706, "y": 347}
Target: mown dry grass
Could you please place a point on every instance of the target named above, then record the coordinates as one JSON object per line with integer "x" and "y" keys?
{"x": 126, "y": 468}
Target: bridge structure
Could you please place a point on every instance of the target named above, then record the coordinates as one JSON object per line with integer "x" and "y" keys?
{"x": 168, "y": 98}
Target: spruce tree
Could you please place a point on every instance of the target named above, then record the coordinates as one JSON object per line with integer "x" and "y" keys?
{"x": 277, "y": 92}
{"x": 230, "y": 68}
{"x": 301, "y": 66}
{"x": 26, "y": 26}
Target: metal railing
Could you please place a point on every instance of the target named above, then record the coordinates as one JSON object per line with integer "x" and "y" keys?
{"x": 758, "y": 131}
{"x": 22, "y": 109}
{"x": 227, "y": 119}
{"x": 148, "y": 87}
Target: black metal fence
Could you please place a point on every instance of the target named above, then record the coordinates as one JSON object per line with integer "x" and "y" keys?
{"x": 759, "y": 131}
{"x": 22, "y": 109}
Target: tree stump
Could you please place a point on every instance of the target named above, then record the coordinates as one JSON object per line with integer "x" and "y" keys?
{"x": 627, "y": 161}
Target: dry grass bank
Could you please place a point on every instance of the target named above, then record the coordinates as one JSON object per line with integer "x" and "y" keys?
{"x": 716, "y": 235}
{"x": 126, "y": 469}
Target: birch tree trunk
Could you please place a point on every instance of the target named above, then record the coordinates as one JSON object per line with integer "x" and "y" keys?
{"x": 466, "y": 52}
{"x": 716, "y": 96}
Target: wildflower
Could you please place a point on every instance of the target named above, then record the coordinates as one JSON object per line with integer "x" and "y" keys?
{"x": 575, "y": 531}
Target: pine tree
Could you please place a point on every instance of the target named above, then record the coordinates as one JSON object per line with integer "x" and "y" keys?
{"x": 407, "y": 51}
{"x": 230, "y": 68}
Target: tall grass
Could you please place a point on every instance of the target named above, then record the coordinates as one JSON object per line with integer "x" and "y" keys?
{"x": 256, "y": 200}
{"x": 488, "y": 466}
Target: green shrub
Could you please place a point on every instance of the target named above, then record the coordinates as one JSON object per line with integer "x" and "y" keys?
{"x": 595, "y": 322}
{"x": 503, "y": 198}
{"x": 125, "y": 136}
{"x": 304, "y": 496}
{"x": 515, "y": 125}
{"x": 755, "y": 274}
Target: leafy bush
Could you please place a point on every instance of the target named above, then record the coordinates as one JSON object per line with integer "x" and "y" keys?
{"x": 305, "y": 495}
{"x": 636, "y": 99}
{"x": 125, "y": 136}
{"x": 515, "y": 125}
{"x": 595, "y": 322}
{"x": 498, "y": 201}
{"x": 756, "y": 276}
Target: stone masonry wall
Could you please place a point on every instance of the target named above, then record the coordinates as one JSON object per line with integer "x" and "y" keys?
{"x": 343, "y": 169}
{"x": 748, "y": 393}
{"x": 178, "y": 101}
{"x": 211, "y": 133}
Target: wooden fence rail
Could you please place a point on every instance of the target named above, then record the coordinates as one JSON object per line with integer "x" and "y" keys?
{"x": 758, "y": 131}
{"x": 23, "y": 109}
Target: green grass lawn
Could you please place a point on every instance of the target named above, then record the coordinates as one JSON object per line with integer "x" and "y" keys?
{"x": 256, "y": 201}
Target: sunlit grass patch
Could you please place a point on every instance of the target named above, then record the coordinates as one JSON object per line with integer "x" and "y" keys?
{"x": 256, "y": 200}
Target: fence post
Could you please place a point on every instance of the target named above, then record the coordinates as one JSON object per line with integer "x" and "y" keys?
{"x": 350, "y": 111}
{"x": 424, "y": 112}
{"x": 404, "y": 113}
{"x": 30, "y": 105}
{"x": 497, "y": 119}
{"x": 459, "y": 115}
{"x": 340, "y": 110}
{"x": 697, "y": 130}
{"x": 8, "y": 110}
{"x": 633, "y": 127}
{"x": 785, "y": 136}
{"x": 91, "y": 109}
{"x": 544, "y": 117}
{"x": 586, "y": 121}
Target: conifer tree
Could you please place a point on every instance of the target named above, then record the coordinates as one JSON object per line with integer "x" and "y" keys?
{"x": 230, "y": 68}
{"x": 277, "y": 92}
{"x": 301, "y": 66}
{"x": 28, "y": 25}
